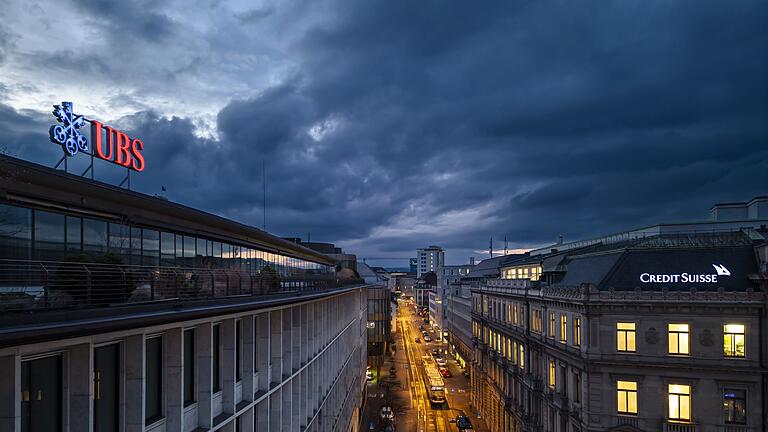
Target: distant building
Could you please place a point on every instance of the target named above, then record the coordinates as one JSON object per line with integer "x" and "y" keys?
{"x": 429, "y": 259}
{"x": 413, "y": 265}
{"x": 438, "y": 298}
{"x": 661, "y": 328}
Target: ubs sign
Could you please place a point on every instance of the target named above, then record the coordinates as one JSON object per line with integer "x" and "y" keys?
{"x": 720, "y": 270}
{"x": 109, "y": 144}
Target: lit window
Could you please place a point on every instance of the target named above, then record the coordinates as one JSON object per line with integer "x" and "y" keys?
{"x": 514, "y": 352}
{"x": 733, "y": 340}
{"x": 577, "y": 331}
{"x": 551, "y": 324}
{"x": 563, "y": 328}
{"x": 735, "y": 406}
{"x": 679, "y": 339}
{"x": 514, "y": 314}
{"x": 626, "y": 393}
{"x": 625, "y": 337}
{"x": 522, "y": 356}
{"x": 552, "y": 374}
{"x": 679, "y": 402}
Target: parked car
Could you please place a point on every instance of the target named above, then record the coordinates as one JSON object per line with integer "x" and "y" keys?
{"x": 418, "y": 340}
{"x": 446, "y": 373}
{"x": 463, "y": 423}
{"x": 436, "y": 353}
{"x": 427, "y": 338}
{"x": 441, "y": 361}
{"x": 387, "y": 413}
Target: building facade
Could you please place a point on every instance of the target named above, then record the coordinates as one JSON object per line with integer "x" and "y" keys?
{"x": 125, "y": 312}
{"x": 429, "y": 259}
{"x": 654, "y": 332}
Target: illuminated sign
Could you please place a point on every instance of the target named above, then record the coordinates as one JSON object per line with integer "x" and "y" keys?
{"x": 108, "y": 143}
{"x": 686, "y": 277}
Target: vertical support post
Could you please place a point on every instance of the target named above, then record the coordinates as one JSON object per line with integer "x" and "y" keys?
{"x": 10, "y": 386}
{"x": 80, "y": 363}
{"x": 174, "y": 354}
{"x": 134, "y": 383}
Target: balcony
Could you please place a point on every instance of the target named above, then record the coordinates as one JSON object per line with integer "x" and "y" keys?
{"x": 736, "y": 428}
{"x": 680, "y": 427}
{"x": 625, "y": 421}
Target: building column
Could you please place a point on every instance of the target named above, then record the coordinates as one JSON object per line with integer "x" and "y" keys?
{"x": 228, "y": 365}
{"x": 134, "y": 383}
{"x": 174, "y": 372}
{"x": 275, "y": 347}
{"x": 263, "y": 352}
{"x": 80, "y": 364}
{"x": 10, "y": 384}
{"x": 204, "y": 362}
{"x": 247, "y": 420}
{"x": 247, "y": 328}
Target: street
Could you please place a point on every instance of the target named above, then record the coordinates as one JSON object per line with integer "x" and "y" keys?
{"x": 405, "y": 391}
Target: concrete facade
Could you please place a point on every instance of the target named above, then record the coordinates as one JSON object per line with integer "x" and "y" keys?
{"x": 296, "y": 367}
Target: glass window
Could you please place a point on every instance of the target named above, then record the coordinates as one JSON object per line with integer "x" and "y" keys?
{"x": 49, "y": 236}
{"x": 150, "y": 247}
{"x": 626, "y": 392}
{"x": 189, "y": 367}
{"x": 74, "y": 235}
{"x": 735, "y": 406}
{"x": 179, "y": 249}
{"x": 733, "y": 340}
{"x": 153, "y": 386}
{"x": 135, "y": 246}
{"x": 189, "y": 251}
{"x": 552, "y": 374}
{"x": 94, "y": 237}
{"x": 679, "y": 339}
{"x": 120, "y": 241}
{"x": 216, "y": 253}
{"x": 563, "y": 328}
{"x": 625, "y": 337}
{"x": 167, "y": 249}
{"x": 216, "y": 358}
{"x": 551, "y": 324}
{"x": 201, "y": 252}
{"x": 577, "y": 386}
{"x": 577, "y": 331}
{"x": 15, "y": 232}
{"x": 679, "y": 399}
{"x": 521, "y": 356}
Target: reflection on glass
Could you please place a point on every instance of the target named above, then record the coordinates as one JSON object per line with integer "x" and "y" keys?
{"x": 94, "y": 237}
{"x": 49, "y": 236}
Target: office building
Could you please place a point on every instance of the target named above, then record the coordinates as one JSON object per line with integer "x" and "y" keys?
{"x": 656, "y": 329}
{"x": 126, "y": 312}
{"x": 429, "y": 259}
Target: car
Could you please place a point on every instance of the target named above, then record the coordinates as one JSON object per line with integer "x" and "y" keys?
{"x": 427, "y": 339}
{"x": 446, "y": 373}
{"x": 436, "y": 353}
{"x": 418, "y": 340}
{"x": 387, "y": 413}
{"x": 463, "y": 423}
{"x": 369, "y": 375}
{"x": 441, "y": 361}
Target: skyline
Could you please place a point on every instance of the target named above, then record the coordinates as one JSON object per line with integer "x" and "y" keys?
{"x": 394, "y": 126}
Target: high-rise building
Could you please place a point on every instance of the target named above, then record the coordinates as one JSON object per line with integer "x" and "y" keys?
{"x": 428, "y": 259}
{"x": 125, "y": 312}
{"x": 656, "y": 329}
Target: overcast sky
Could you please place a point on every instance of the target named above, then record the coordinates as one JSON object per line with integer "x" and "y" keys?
{"x": 390, "y": 125}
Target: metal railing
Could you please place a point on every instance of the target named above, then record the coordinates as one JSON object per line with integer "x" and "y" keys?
{"x": 45, "y": 285}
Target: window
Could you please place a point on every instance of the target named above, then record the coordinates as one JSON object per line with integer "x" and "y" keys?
{"x": 536, "y": 321}
{"x": 733, "y": 340}
{"x": 577, "y": 331}
{"x": 626, "y": 393}
{"x": 521, "y": 356}
{"x": 74, "y": 235}
{"x": 679, "y": 402}
{"x": 563, "y": 328}
{"x": 552, "y": 374}
{"x": 216, "y": 358}
{"x": 49, "y": 236}
{"x": 678, "y": 339}
{"x": 15, "y": 232}
{"x": 514, "y": 314}
{"x": 153, "y": 385}
{"x": 189, "y": 367}
{"x": 735, "y": 406}
{"x": 625, "y": 337}
{"x": 551, "y": 324}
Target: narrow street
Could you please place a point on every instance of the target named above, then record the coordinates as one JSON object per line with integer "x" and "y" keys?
{"x": 404, "y": 389}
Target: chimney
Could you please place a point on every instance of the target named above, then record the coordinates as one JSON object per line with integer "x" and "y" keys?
{"x": 471, "y": 260}
{"x": 560, "y": 239}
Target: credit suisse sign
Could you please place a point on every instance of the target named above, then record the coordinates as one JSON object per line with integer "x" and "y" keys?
{"x": 108, "y": 143}
{"x": 720, "y": 270}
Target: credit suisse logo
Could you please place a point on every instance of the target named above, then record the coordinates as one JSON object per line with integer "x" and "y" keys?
{"x": 720, "y": 270}
{"x": 108, "y": 143}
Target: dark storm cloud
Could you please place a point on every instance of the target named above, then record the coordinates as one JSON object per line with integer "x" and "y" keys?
{"x": 404, "y": 124}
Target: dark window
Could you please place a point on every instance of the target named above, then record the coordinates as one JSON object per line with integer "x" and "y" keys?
{"x": 135, "y": 246}
{"x": 179, "y": 250}
{"x": 106, "y": 388}
{"x": 15, "y": 232}
{"x": 201, "y": 253}
{"x": 238, "y": 350}
{"x": 735, "y": 406}
{"x": 150, "y": 247}
{"x": 216, "y": 358}
{"x": 94, "y": 237}
{"x": 153, "y": 386}
{"x": 74, "y": 235}
{"x": 120, "y": 241}
{"x": 189, "y": 367}
{"x": 41, "y": 395}
{"x": 189, "y": 251}
{"x": 216, "y": 253}
{"x": 49, "y": 236}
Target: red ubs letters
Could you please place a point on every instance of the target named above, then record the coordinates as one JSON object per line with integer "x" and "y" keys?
{"x": 118, "y": 147}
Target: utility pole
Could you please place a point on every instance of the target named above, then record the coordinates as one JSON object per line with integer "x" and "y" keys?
{"x": 490, "y": 247}
{"x": 264, "y": 195}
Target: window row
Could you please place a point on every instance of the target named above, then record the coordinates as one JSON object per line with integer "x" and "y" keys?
{"x": 679, "y": 402}
{"x": 679, "y": 339}
{"x": 31, "y": 234}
